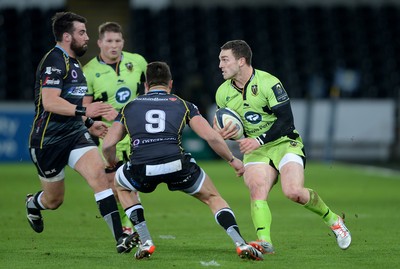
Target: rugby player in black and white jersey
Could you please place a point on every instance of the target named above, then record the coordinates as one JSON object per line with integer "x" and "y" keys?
{"x": 155, "y": 121}
{"x": 59, "y": 136}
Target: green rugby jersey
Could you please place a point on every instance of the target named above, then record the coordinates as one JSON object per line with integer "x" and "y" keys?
{"x": 115, "y": 86}
{"x": 262, "y": 92}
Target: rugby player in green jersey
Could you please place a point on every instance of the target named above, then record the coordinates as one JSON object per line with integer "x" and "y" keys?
{"x": 114, "y": 77}
{"x": 272, "y": 146}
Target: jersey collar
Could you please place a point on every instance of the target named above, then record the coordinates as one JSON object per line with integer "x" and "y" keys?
{"x": 102, "y": 62}
{"x": 63, "y": 50}
{"x": 157, "y": 91}
{"x": 245, "y": 86}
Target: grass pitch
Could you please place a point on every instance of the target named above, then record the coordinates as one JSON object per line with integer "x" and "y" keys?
{"x": 185, "y": 231}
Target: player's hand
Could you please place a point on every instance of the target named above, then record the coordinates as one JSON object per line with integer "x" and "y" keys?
{"x": 113, "y": 167}
{"x": 247, "y": 145}
{"x": 215, "y": 126}
{"x": 238, "y": 166}
{"x": 97, "y": 109}
{"x": 111, "y": 115}
{"x": 227, "y": 132}
{"x": 98, "y": 129}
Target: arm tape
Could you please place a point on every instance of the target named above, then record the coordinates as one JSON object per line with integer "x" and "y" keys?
{"x": 89, "y": 122}
{"x": 80, "y": 111}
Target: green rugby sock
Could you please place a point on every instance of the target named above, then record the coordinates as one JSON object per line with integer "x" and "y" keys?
{"x": 125, "y": 221}
{"x": 317, "y": 205}
{"x": 261, "y": 216}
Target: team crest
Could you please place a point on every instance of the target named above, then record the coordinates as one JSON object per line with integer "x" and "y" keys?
{"x": 293, "y": 144}
{"x": 129, "y": 66}
{"x": 254, "y": 90}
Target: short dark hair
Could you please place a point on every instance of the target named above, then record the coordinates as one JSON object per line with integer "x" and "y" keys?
{"x": 158, "y": 73}
{"x": 63, "y": 22}
{"x": 239, "y": 49}
{"x": 109, "y": 27}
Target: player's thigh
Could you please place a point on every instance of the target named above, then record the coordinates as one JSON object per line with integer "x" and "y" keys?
{"x": 292, "y": 177}
{"x": 259, "y": 178}
{"x": 91, "y": 166}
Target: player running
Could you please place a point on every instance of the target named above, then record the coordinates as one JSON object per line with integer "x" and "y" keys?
{"x": 272, "y": 146}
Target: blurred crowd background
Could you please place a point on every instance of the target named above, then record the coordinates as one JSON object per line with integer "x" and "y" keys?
{"x": 320, "y": 50}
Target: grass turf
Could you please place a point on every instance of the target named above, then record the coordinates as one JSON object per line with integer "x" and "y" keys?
{"x": 185, "y": 231}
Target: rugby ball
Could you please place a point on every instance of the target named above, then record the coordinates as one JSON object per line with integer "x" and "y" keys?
{"x": 225, "y": 115}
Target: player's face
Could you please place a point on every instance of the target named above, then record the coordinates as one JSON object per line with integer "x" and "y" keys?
{"x": 111, "y": 46}
{"x": 80, "y": 39}
{"x": 228, "y": 64}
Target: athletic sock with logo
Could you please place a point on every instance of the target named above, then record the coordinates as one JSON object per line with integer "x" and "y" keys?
{"x": 317, "y": 205}
{"x": 262, "y": 219}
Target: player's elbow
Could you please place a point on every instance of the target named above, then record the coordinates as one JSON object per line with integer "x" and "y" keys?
{"x": 47, "y": 107}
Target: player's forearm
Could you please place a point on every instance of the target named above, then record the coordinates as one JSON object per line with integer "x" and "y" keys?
{"x": 221, "y": 148}
{"x": 109, "y": 153}
{"x": 87, "y": 100}
{"x": 60, "y": 106}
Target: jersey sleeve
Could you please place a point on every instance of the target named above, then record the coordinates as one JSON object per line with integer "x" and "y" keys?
{"x": 119, "y": 118}
{"x": 193, "y": 111}
{"x": 89, "y": 79}
{"x": 143, "y": 65}
{"x": 220, "y": 96}
{"x": 121, "y": 115}
{"x": 276, "y": 93}
{"x": 53, "y": 71}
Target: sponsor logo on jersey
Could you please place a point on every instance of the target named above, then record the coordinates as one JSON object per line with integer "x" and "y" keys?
{"x": 280, "y": 93}
{"x": 50, "y": 172}
{"x": 74, "y": 74}
{"x": 136, "y": 143}
{"x": 76, "y": 65}
{"x": 77, "y": 91}
{"x": 253, "y": 117}
{"x": 51, "y": 69}
{"x": 123, "y": 95}
{"x": 142, "y": 141}
{"x": 231, "y": 97}
{"x": 100, "y": 74}
{"x": 49, "y": 81}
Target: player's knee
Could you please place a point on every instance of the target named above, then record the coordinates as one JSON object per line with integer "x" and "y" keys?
{"x": 258, "y": 191}
{"x": 293, "y": 193}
